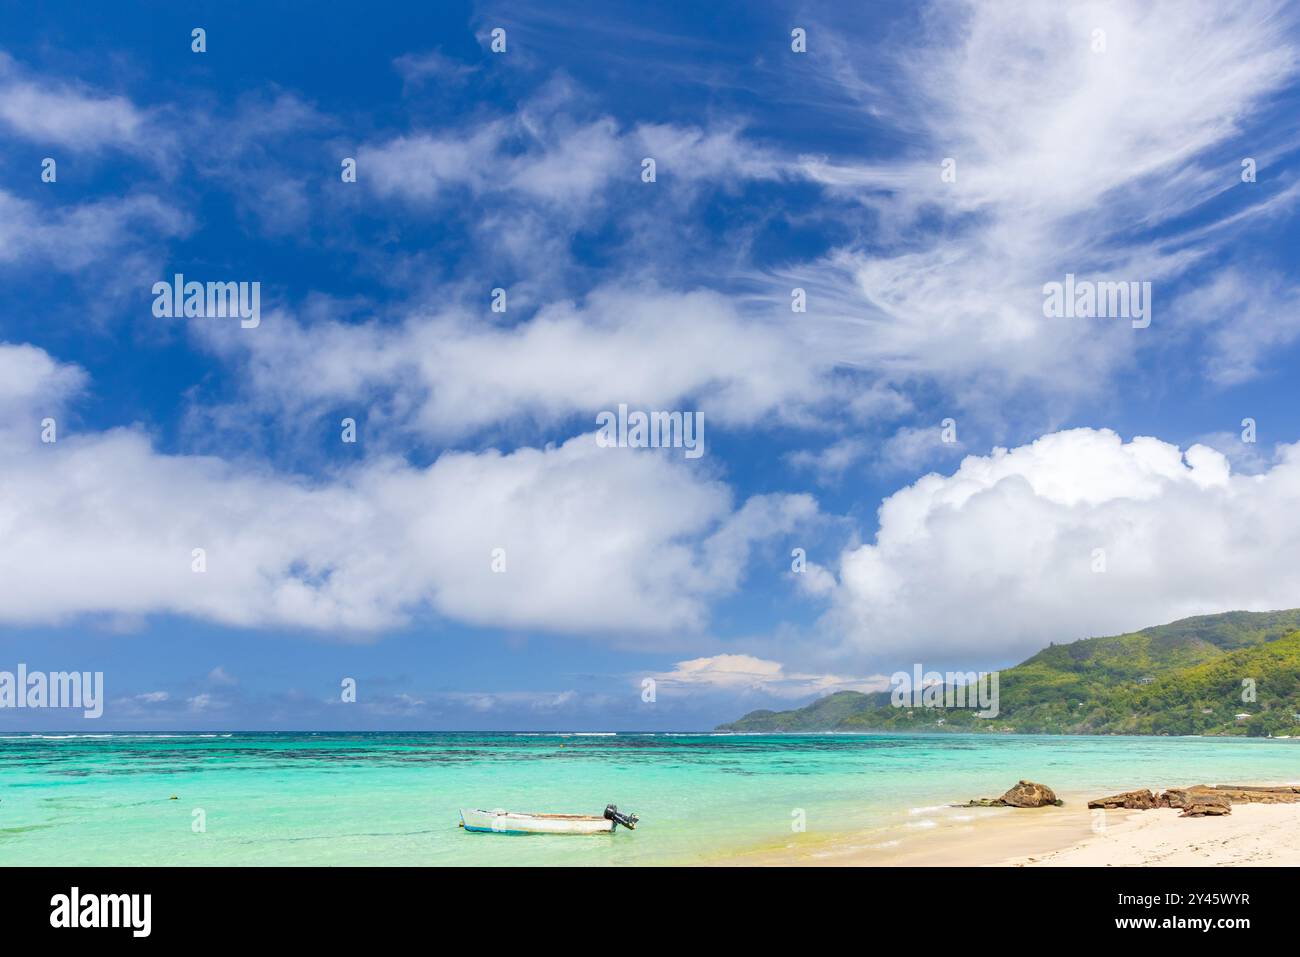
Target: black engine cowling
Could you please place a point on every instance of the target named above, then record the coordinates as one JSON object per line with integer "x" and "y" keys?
{"x": 627, "y": 820}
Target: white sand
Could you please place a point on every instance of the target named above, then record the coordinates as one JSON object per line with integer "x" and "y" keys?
{"x": 1257, "y": 835}
{"x": 1069, "y": 836}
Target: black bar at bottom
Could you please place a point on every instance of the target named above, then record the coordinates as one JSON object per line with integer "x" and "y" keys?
{"x": 331, "y": 906}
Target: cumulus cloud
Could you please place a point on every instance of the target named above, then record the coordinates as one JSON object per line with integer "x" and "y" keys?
{"x": 32, "y": 381}
{"x": 102, "y": 522}
{"x": 995, "y": 560}
{"x": 1246, "y": 454}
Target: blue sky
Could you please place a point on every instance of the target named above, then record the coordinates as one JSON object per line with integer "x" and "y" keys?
{"x": 1091, "y": 139}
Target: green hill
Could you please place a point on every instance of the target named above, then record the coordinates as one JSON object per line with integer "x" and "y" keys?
{"x": 1181, "y": 678}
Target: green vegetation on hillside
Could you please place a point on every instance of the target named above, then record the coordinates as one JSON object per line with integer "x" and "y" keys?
{"x": 1182, "y": 678}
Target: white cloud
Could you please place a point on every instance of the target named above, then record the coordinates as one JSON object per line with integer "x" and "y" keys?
{"x": 74, "y": 237}
{"x": 544, "y": 154}
{"x": 829, "y": 464}
{"x": 422, "y": 166}
{"x": 453, "y": 374}
{"x": 33, "y": 384}
{"x": 71, "y": 237}
{"x": 747, "y": 674}
{"x": 815, "y": 580}
{"x": 103, "y": 523}
{"x": 719, "y": 155}
{"x": 1248, "y": 317}
{"x": 71, "y": 116}
{"x": 1246, "y": 458}
{"x": 910, "y": 448}
{"x": 907, "y": 450}
{"x": 1067, "y": 160}
{"x": 994, "y": 561}
{"x": 485, "y": 701}
{"x": 417, "y": 69}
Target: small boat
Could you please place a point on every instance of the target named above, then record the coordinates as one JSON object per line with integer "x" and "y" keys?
{"x": 513, "y": 822}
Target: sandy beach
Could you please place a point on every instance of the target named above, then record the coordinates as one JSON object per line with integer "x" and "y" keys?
{"x": 1256, "y": 835}
{"x": 1069, "y": 836}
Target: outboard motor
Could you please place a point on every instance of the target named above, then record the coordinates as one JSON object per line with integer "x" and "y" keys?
{"x": 627, "y": 820}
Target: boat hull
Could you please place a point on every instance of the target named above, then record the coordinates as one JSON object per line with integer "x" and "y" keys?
{"x": 511, "y": 822}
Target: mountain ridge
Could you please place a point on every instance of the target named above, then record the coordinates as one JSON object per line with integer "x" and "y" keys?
{"x": 1192, "y": 676}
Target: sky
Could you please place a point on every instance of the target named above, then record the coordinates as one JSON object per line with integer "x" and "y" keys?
{"x": 826, "y": 233}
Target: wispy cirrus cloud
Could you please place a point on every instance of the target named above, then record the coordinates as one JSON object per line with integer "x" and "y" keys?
{"x": 1059, "y": 167}
{"x": 418, "y": 69}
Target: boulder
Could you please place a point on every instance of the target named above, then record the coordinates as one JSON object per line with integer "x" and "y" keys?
{"x": 1029, "y": 794}
{"x": 1142, "y": 800}
{"x": 1024, "y": 794}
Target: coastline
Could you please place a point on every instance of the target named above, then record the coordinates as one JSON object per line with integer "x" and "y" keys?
{"x": 703, "y": 799}
{"x": 1265, "y": 835}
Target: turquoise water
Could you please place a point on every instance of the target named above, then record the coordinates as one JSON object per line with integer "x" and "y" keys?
{"x": 393, "y": 798}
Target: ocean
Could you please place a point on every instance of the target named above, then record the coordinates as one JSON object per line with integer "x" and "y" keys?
{"x": 392, "y": 799}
